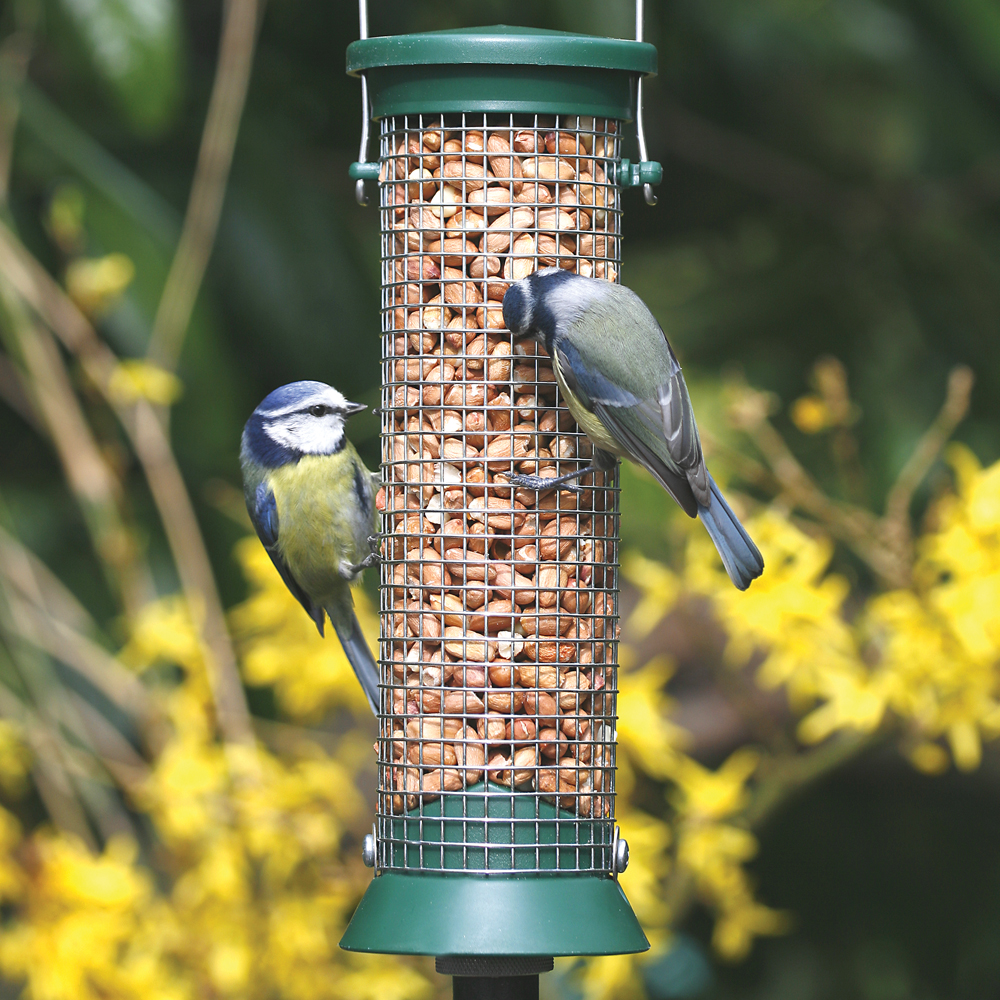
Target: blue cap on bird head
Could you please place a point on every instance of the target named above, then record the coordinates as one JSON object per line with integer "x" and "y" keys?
{"x": 525, "y": 310}
{"x": 290, "y": 397}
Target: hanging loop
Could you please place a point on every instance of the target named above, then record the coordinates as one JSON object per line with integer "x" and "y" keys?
{"x": 361, "y": 170}
{"x": 647, "y": 172}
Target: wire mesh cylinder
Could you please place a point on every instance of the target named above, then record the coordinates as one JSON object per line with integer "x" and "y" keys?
{"x": 499, "y": 604}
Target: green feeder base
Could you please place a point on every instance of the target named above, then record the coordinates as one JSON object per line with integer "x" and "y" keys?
{"x": 434, "y": 914}
{"x": 503, "y": 910}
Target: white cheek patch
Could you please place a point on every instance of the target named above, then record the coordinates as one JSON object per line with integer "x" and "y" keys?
{"x": 306, "y": 433}
{"x": 569, "y": 300}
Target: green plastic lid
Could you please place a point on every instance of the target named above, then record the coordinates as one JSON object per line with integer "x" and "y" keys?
{"x": 501, "y": 69}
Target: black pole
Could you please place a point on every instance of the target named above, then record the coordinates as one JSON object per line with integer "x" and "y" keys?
{"x": 494, "y": 977}
{"x": 495, "y": 987}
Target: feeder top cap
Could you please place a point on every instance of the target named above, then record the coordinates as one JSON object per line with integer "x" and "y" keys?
{"x": 501, "y": 44}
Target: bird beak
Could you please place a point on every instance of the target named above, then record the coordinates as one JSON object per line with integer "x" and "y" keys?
{"x": 350, "y": 408}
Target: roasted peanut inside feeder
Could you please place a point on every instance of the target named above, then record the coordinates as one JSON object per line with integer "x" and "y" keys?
{"x": 502, "y": 614}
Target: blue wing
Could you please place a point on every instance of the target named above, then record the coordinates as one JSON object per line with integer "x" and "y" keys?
{"x": 264, "y": 514}
{"x": 658, "y": 433}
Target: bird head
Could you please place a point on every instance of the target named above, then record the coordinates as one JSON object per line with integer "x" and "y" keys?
{"x": 537, "y": 305}
{"x": 302, "y": 418}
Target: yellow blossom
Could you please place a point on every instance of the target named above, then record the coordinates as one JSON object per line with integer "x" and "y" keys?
{"x": 64, "y": 218}
{"x": 614, "y": 977}
{"x": 649, "y": 839}
{"x": 644, "y": 730}
{"x": 738, "y": 925}
{"x": 136, "y": 378}
{"x": 163, "y": 631}
{"x": 659, "y": 587}
{"x": 929, "y": 758}
{"x": 96, "y": 283}
{"x": 15, "y": 759}
{"x": 810, "y": 414}
{"x": 702, "y": 793}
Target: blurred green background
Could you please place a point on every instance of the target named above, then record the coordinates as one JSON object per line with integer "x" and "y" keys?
{"x": 831, "y": 187}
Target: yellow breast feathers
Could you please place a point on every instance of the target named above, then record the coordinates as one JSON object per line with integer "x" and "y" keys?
{"x": 321, "y": 519}
{"x": 589, "y": 424}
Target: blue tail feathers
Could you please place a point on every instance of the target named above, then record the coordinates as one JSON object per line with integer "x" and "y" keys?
{"x": 358, "y": 654}
{"x": 740, "y": 556}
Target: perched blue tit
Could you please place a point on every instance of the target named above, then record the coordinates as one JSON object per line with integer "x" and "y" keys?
{"x": 312, "y": 502}
{"x": 622, "y": 383}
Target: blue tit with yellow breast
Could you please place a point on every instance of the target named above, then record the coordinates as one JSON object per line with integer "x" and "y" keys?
{"x": 312, "y": 503}
{"x": 623, "y": 384}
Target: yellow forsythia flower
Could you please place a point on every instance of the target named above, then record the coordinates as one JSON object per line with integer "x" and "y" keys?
{"x": 96, "y": 283}
{"x": 135, "y": 379}
{"x": 810, "y": 414}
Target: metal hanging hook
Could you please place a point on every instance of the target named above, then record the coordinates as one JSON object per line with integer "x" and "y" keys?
{"x": 362, "y": 170}
{"x": 645, "y": 172}
{"x": 647, "y": 189}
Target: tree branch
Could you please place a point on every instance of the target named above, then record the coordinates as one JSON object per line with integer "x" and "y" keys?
{"x": 149, "y": 439}
{"x": 930, "y": 446}
{"x": 93, "y": 481}
{"x": 208, "y": 188}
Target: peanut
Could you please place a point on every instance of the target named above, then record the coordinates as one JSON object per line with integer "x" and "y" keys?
{"x": 499, "y": 666}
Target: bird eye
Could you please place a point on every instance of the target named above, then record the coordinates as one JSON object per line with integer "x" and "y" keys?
{"x": 319, "y": 410}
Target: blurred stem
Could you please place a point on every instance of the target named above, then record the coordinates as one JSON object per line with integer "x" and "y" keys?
{"x": 790, "y": 774}
{"x": 116, "y": 754}
{"x": 208, "y": 189}
{"x": 86, "y": 658}
{"x": 89, "y": 475}
{"x": 930, "y": 446}
{"x": 73, "y": 781}
{"x": 50, "y": 762}
{"x": 60, "y": 726}
{"x": 103, "y": 751}
{"x": 855, "y": 526}
{"x": 13, "y": 394}
{"x": 195, "y": 570}
{"x": 885, "y": 543}
{"x": 149, "y": 439}
{"x": 32, "y": 578}
{"x": 15, "y": 54}
{"x": 45, "y": 606}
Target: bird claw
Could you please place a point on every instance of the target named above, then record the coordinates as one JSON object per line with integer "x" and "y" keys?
{"x": 540, "y": 483}
{"x": 370, "y": 560}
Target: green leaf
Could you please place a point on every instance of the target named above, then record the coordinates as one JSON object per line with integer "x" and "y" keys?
{"x": 135, "y": 47}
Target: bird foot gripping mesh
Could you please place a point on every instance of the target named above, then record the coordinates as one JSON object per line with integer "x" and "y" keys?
{"x": 496, "y": 745}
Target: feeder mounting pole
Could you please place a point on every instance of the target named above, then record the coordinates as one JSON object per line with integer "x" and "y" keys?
{"x": 493, "y": 978}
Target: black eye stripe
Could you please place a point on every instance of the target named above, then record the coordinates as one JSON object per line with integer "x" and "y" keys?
{"x": 319, "y": 410}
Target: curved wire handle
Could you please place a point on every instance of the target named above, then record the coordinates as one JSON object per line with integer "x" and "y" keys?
{"x": 630, "y": 175}
{"x": 359, "y": 187}
{"x": 647, "y": 189}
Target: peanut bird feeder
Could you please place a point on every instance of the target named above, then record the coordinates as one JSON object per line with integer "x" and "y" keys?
{"x": 494, "y": 846}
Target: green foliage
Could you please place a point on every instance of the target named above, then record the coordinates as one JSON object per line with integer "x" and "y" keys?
{"x": 134, "y": 48}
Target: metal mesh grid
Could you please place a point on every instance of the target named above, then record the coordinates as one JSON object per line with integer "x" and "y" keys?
{"x": 499, "y": 606}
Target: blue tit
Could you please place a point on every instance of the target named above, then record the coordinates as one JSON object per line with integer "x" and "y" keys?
{"x": 312, "y": 502}
{"x": 622, "y": 383}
